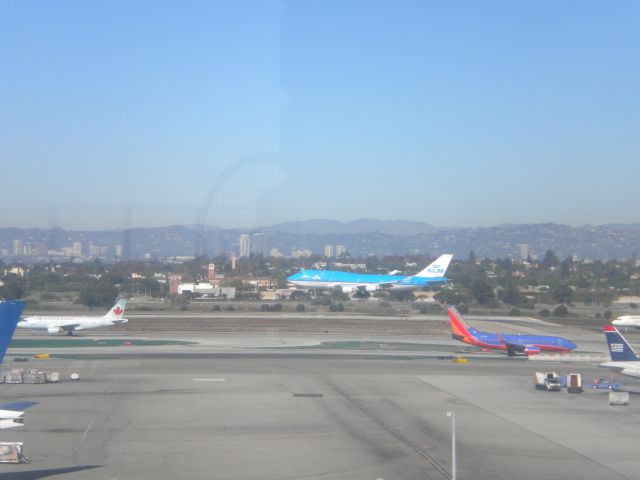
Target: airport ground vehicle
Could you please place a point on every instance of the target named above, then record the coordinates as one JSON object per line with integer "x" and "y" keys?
{"x": 602, "y": 384}
{"x": 549, "y": 381}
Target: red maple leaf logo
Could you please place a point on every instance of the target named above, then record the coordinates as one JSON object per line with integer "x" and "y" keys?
{"x": 117, "y": 310}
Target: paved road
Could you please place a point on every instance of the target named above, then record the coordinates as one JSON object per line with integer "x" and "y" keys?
{"x": 304, "y": 417}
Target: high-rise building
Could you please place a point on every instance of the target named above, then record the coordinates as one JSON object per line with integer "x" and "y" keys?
{"x": 77, "y": 249}
{"x": 340, "y": 250}
{"x": 329, "y": 251}
{"x": 524, "y": 250}
{"x": 260, "y": 244}
{"x": 245, "y": 245}
{"x": 17, "y": 248}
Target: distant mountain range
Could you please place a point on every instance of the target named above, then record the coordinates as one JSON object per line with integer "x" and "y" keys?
{"x": 354, "y": 227}
{"x": 360, "y": 237}
{"x": 622, "y": 226}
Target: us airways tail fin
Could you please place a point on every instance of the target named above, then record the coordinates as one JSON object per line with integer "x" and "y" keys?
{"x": 9, "y": 316}
{"x": 436, "y": 269}
{"x": 460, "y": 330}
{"x": 619, "y": 348}
{"x": 117, "y": 310}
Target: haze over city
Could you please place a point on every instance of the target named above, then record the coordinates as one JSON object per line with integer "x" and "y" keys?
{"x": 244, "y": 114}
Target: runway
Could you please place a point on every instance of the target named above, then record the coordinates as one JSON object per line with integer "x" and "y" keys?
{"x": 252, "y": 407}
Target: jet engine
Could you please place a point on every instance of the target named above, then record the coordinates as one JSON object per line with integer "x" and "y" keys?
{"x": 630, "y": 372}
{"x": 531, "y": 350}
{"x": 349, "y": 289}
{"x": 53, "y": 330}
{"x": 10, "y": 419}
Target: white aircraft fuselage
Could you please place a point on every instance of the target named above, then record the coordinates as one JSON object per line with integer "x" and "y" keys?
{"x": 56, "y": 324}
{"x": 627, "y": 321}
{"x": 70, "y": 323}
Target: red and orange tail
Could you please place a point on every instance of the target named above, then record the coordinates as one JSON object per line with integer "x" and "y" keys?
{"x": 459, "y": 328}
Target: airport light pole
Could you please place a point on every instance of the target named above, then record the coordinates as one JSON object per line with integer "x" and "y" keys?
{"x": 453, "y": 444}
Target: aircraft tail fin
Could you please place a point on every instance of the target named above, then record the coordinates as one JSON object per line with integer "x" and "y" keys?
{"x": 619, "y": 348}
{"x": 437, "y": 268}
{"x": 117, "y": 310}
{"x": 459, "y": 327}
{"x": 9, "y": 317}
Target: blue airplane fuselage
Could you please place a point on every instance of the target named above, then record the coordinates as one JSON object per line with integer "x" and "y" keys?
{"x": 333, "y": 278}
{"x": 499, "y": 340}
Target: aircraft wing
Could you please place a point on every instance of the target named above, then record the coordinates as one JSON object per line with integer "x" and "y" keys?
{"x": 17, "y": 405}
{"x": 69, "y": 327}
{"x": 514, "y": 348}
{"x": 12, "y": 414}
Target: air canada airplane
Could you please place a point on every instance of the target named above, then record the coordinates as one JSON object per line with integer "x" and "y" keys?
{"x": 58, "y": 323}
{"x": 511, "y": 343}
{"x": 364, "y": 282}
{"x": 11, "y": 414}
{"x": 623, "y": 359}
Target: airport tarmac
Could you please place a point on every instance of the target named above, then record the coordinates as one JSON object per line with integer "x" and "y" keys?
{"x": 235, "y": 407}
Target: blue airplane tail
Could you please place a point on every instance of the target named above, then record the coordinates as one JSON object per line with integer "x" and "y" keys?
{"x": 619, "y": 348}
{"x": 9, "y": 316}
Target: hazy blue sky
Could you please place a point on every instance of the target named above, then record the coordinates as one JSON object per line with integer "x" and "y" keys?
{"x": 460, "y": 113}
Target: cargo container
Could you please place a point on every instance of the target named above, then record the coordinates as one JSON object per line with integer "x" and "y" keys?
{"x": 14, "y": 376}
{"x": 34, "y": 376}
{"x": 574, "y": 383}
{"x": 11, "y": 452}
{"x": 618, "y": 398}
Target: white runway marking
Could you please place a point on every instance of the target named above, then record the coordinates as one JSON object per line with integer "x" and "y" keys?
{"x": 209, "y": 379}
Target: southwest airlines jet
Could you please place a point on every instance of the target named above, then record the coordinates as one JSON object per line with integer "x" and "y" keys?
{"x": 10, "y": 414}
{"x": 365, "y": 282}
{"x": 623, "y": 359}
{"x": 511, "y": 343}
{"x": 58, "y": 323}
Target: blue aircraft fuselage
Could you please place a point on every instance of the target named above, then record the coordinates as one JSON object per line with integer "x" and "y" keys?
{"x": 333, "y": 278}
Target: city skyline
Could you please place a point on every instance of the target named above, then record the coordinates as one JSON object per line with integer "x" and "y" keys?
{"x": 241, "y": 115}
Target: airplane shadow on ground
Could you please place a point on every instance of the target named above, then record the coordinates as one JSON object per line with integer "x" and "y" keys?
{"x": 48, "y": 472}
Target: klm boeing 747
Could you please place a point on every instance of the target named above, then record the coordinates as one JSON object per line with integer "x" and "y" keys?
{"x": 363, "y": 282}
